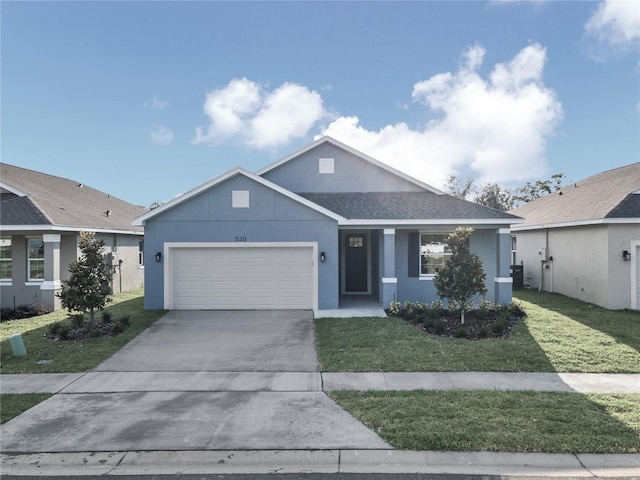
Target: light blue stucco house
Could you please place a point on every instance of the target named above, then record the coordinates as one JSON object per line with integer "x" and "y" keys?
{"x": 318, "y": 227}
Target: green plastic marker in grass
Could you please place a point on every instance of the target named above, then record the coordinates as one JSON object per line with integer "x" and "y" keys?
{"x": 17, "y": 345}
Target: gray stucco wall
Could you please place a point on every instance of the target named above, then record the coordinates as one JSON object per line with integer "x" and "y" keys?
{"x": 271, "y": 217}
{"x": 482, "y": 242}
{"x": 587, "y": 262}
{"x": 352, "y": 174}
{"x": 21, "y": 292}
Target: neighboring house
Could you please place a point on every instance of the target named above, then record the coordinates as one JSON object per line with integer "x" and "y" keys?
{"x": 584, "y": 240}
{"x": 40, "y": 219}
{"x": 323, "y": 223}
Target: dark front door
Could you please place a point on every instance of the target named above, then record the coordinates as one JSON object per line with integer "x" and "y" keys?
{"x": 356, "y": 259}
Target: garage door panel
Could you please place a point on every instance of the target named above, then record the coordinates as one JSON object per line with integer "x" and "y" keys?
{"x": 242, "y": 277}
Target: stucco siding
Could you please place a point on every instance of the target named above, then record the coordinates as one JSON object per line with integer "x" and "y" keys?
{"x": 351, "y": 174}
{"x": 620, "y": 238}
{"x": 271, "y": 217}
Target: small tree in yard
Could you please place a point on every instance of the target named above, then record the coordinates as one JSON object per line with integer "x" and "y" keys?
{"x": 88, "y": 288}
{"x": 462, "y": 277}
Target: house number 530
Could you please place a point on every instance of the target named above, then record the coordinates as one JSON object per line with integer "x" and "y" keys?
{"x": 241, "y": 239}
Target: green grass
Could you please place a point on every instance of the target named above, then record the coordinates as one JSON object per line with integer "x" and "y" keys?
{"x": 500, "y": 421}
{"x": 12, "y": 405}
{"x": 70, "y": 356}
{"x": 559, "y": 334}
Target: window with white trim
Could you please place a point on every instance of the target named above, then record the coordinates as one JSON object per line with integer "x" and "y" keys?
{"x": 434, "y": 252}
{"x": 6, "y": 259}
{"x": 514, "y": 244}
{"x": 35, "y": 259}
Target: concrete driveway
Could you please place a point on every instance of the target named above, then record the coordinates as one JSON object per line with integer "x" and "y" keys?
{"x": 222, "y": 341}
{"x": 198, "y": 381}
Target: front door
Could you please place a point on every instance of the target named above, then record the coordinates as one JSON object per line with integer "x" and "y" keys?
{"x": 356, "y": 260}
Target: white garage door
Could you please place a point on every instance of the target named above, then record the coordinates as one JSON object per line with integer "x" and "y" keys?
{"x": 230, "y": 278}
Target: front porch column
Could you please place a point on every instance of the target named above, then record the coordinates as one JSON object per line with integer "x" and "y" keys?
{"x": 51, "y": 284}
{"x": 389, "y": 279}
{"x": 503, "y": 283}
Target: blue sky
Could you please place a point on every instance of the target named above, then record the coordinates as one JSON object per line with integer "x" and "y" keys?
{"x": 147, "y": 100}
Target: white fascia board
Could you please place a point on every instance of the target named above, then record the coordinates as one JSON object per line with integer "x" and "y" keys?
{"x": 10, "y": 189}
{"x": 225, "y": 176}
{"x": 355, "y": 152}
{"x": 426, "y": 221}
{"x": 57, "y": 228}
{"x": 577, "y": 223}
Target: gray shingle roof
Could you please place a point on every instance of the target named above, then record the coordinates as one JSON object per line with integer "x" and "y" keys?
{"x": 605, "y": 195}
{"x": 404, "y": 206}
{"x": 52, "y": 200}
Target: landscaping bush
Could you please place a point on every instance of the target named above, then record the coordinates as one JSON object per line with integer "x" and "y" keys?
{"x": 489, "y": 320}
{"x": 22, "y": 311}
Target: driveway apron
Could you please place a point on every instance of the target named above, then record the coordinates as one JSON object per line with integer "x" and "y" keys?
{"x": 134, "y": 400}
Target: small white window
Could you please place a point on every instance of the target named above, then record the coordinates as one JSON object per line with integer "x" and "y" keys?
{"x": 6, "y": 260}
{"x": 514, "y": 249}
{"x": 326, "y": 165}
{"x": 240, "y": 199}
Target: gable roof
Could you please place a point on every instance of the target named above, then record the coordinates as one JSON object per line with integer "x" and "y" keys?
{"x": 224, "y": 177}
{"x": 33, "y": 200}
{"x": 405, "y": 207}
{"x": 353, "y": 151}
{"x": 612, "y": 196}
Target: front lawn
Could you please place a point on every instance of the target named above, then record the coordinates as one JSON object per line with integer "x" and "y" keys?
{"x": 499, "y": 421}
{"x": 51, "y": 356}
{"x": 12, "y": 405}
{"x": 559, "y": 334}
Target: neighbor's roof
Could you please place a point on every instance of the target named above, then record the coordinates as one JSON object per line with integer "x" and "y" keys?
{"x": 406, "y": 206}
{"x": 33, "y": 199}
{"x": 611, "y": 196}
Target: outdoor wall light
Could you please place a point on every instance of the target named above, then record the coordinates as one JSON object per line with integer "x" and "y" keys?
{"x": 626, "y": 255}
{"x": 322, "y": 257}
{"x": 158, "y": 256}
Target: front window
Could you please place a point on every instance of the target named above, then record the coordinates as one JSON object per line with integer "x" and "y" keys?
{"x": 434, "y": 252}
{"x": 35, "y": 252}
{"x": 6, "y": 265}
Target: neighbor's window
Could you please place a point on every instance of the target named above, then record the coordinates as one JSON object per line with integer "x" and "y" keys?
{"x": 35, "y": 259}
{"x": 434, "y": 252}
{"x": 141, "y": 253}
{"x": 513, "y": 250}
{"x": 5, "y": 259}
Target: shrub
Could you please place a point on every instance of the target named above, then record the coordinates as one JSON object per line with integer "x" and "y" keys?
{"x": 499, "y": 326}
{"x": 95, "y": 333}
{"x": 22, "y": 311}
{"x": 484, "y": 331}
{"x": 439, "y": 326}
{"x": 106, "y": 317}
{"x": 77, "y": 320}
{"x": 122, "y": 324}
{"x": 460, "y": 332}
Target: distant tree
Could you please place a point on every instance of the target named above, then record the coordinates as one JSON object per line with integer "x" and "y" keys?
{"x": 462, "y": 276}
{"x": 531, "y": 191}
{"x": 89, "y": 286}
{"x": 494, "y": 196}
{"x": 502, "y": 198}
{"x": 452, "y": 184}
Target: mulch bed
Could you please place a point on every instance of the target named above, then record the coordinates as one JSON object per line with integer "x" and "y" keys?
{"x": 478, "y": 325}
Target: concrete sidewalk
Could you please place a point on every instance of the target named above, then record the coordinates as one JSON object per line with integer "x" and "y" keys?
{"x": 193, "y": 453}
{"x": 140, "y": 463}
{"x": 113, "y": 382}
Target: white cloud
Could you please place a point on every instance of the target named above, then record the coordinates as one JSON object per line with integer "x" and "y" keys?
{"x": 156, "y": 104}
{"x": 161, "y": 135}
{"x": 244, "y": 111}
{"x": 616, "y": 23}
{"x": 496, "y": 127}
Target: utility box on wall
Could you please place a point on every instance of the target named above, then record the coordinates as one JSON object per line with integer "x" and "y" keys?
{"x": 544, "y": 254}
